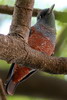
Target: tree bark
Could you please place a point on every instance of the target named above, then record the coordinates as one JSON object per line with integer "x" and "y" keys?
{"x": 21, "y": 21}
{"x": 11, "y": 47}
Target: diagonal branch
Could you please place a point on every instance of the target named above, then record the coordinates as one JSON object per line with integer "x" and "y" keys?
{"x": 15, "y": 50}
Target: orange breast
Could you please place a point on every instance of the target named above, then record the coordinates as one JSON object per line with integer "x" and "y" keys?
{"x": 41, "y": 43}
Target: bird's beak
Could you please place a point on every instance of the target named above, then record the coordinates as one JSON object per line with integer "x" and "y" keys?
{"x": 51, "y": 9}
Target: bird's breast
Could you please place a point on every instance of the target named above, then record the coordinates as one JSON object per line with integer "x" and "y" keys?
{"x": 41, "y": 43}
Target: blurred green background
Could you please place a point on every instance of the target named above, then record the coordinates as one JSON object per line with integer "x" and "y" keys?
{"x": 61, "y": 34}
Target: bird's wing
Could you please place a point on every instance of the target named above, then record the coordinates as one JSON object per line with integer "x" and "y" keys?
{"x": 10, "y": 73}
{"x": 16, "y": 75}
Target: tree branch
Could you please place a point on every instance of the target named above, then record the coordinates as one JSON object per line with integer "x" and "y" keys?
{"x": 2, "y": 91}
{"x": 11, "y": 47}
{"x": 21, "y": 21}
{"x": 4, "y": 9}
{"x": 61, "y": 16}
{"x": 14, "y": 49}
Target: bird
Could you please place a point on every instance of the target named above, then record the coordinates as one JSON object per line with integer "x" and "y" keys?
{"x": 42, "y": 38}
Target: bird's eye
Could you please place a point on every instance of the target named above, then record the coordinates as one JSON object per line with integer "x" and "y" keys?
{"x": 39, "y": 17}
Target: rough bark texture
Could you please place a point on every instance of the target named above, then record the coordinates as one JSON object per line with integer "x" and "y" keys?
{"x": 11, "y": 47}
{"x": 61, "y": 16}
{"x": 22, "y": 18}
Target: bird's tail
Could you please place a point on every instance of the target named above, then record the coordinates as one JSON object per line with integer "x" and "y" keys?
{"x": 16, "y": 75}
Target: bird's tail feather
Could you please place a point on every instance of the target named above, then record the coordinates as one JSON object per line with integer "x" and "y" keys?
{"x": 16, "y": 75}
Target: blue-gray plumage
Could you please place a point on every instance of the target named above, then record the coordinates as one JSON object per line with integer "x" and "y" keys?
{"x": 46, "y": 23}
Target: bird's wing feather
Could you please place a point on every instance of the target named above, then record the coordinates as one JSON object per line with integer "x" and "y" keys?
{"x": 16, "y": 75}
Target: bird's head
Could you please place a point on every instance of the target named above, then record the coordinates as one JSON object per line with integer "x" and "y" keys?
{"x": 47, "y": 17}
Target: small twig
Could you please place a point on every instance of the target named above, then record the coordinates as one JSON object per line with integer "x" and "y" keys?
{"x": 2, "y": 91}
